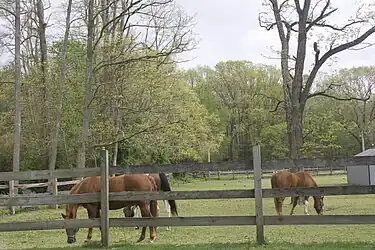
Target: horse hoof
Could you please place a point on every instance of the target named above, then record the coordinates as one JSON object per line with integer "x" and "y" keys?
{"x": 168, "y": 229}
{"x": 140, "y": 239}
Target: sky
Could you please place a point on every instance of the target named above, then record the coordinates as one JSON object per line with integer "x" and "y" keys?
{"x": 232, "y": 32}
{"x": 229, "y": 30}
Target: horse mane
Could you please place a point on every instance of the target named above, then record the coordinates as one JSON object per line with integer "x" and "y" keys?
{"x": 311, "y": 178}
{"x": 75, "y": 188}
{"x": 70, "y": 207}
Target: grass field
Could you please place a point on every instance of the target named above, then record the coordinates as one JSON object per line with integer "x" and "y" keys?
{"x": 277, "y": 237}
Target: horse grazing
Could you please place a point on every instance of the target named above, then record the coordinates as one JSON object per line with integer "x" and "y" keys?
{"x": 162, "y": 184}
{"x": 286, "y": 179}
{"x": 134, "y": 182}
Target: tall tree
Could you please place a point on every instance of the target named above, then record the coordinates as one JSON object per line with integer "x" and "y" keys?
{"x": 156, "y": 31}
{"x": 358, "y": 83}
{"x": 81, "y": 156}
{"x": 310, "y": 16}
{"x": 63, "y": 70}
{"x": 17, "y": 90}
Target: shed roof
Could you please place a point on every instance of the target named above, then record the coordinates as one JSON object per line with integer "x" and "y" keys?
{"x": 368, "y": 152}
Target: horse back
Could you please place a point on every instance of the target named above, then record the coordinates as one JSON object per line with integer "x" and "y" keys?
{"x": 284, "y": 179}
{"x": 89, "y": 184}
{"x": 306, "y": 179}
{"x": 131, "y": 182}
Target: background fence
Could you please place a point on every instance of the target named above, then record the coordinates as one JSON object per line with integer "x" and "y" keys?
{"x": 256, "y": 165}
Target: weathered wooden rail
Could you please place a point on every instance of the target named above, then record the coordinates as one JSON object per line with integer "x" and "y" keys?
{"x": 257, "y": 193}
{"x": 317, "y": 171}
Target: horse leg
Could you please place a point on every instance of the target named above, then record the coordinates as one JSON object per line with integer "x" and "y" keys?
{"x": 167, "y": 209}
{"x": 91, "y": 212}
{"x": 296, "y": 200}
{"x": 137, "y": 214}
{"x": 146, "y": 213}
{"x": 154, "y": 209}
{"x": 300, "y": 201}
{"x": 306, "y": 205}
{"x": 279, "y": 205}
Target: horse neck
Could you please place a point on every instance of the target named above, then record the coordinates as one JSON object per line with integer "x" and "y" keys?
{"x": 314, "y": 184}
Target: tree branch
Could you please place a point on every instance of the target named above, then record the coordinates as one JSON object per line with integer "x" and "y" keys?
{"x": 321, "y": 16}
{"x": 8, "y": 11}
{"x": 151, "y": 128}
{"x": 279, "y": 102}
{"x": 329, "y": 54}
{"x": 322, "y": 93}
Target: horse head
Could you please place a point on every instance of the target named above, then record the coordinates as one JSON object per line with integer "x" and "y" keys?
{"x": 319, "y": 204}
{"x": 71, "y": 213}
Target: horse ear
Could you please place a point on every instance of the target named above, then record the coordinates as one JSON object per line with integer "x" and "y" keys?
{"x": 63, "y": 215}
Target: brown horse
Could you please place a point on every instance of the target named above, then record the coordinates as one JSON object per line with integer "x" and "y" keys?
{"x": 134, "y": 182}
{"x": 162, "y": 184}
{"x": 286, "y": 179}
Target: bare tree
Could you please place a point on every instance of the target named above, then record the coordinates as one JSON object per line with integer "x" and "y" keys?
{"x": 298, "y": 19}
{"x": 63, "y": 70}
{"x": 46, "y": 89}
{"x": 81, "y": 156}
{"x": 126, "y": 32}
{"x": 17, "y": 91}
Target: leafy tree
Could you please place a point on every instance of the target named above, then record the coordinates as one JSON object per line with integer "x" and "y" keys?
{"x": 299, "y": 20}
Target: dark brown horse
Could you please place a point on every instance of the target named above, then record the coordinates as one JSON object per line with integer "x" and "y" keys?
{"x": 134, "y": 182}
{"x": 162, "y": 184}
{"x": 286, "y": 179}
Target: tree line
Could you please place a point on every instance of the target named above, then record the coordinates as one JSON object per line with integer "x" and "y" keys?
{"x": 112, "y": 79}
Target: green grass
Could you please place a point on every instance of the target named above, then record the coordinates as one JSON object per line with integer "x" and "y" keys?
{"x": 234, "y": 237}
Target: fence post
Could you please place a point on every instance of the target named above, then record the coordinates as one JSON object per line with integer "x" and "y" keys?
{"x": 53, "y": 189}
{"x": 257, "y": 162}
{"x": 104, "y": 198}
{"x": 12, "y": 191}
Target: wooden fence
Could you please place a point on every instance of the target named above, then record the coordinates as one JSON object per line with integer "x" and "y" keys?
{"x": 258, "y": 193}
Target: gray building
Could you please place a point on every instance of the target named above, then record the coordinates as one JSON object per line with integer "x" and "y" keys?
{"x": 362, "y": 175}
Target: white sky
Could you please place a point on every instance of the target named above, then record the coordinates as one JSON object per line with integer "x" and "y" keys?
{"x": 229, "y": 30}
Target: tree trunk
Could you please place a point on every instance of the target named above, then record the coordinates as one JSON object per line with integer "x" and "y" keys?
{"x": 294, "y": 118}
{"x": 17, "y": 98}
{"x": 46, "y": 90}
{"x": 230, "y": 130}
{"x": 119, "y": 135}
{"x": 63, "y": 69}
{"x": 81, "y": 155}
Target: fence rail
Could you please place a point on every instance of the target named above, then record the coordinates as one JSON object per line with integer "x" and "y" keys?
{"x": 184, "y": 195}
{"x": 258, "y": 193}
{"x": 318, "y": 171}
{"x": 338, "y": 163}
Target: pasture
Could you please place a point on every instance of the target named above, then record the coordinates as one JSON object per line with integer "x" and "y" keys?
{"x": 234, "y": 237}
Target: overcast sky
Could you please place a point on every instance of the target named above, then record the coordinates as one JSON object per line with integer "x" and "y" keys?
{"x": 229, "y": 30}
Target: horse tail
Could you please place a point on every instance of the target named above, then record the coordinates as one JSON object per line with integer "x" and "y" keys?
{"x": 153, "y": 183}
{"x": 165, "y": 187}
{"x": 153, "y": 203}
